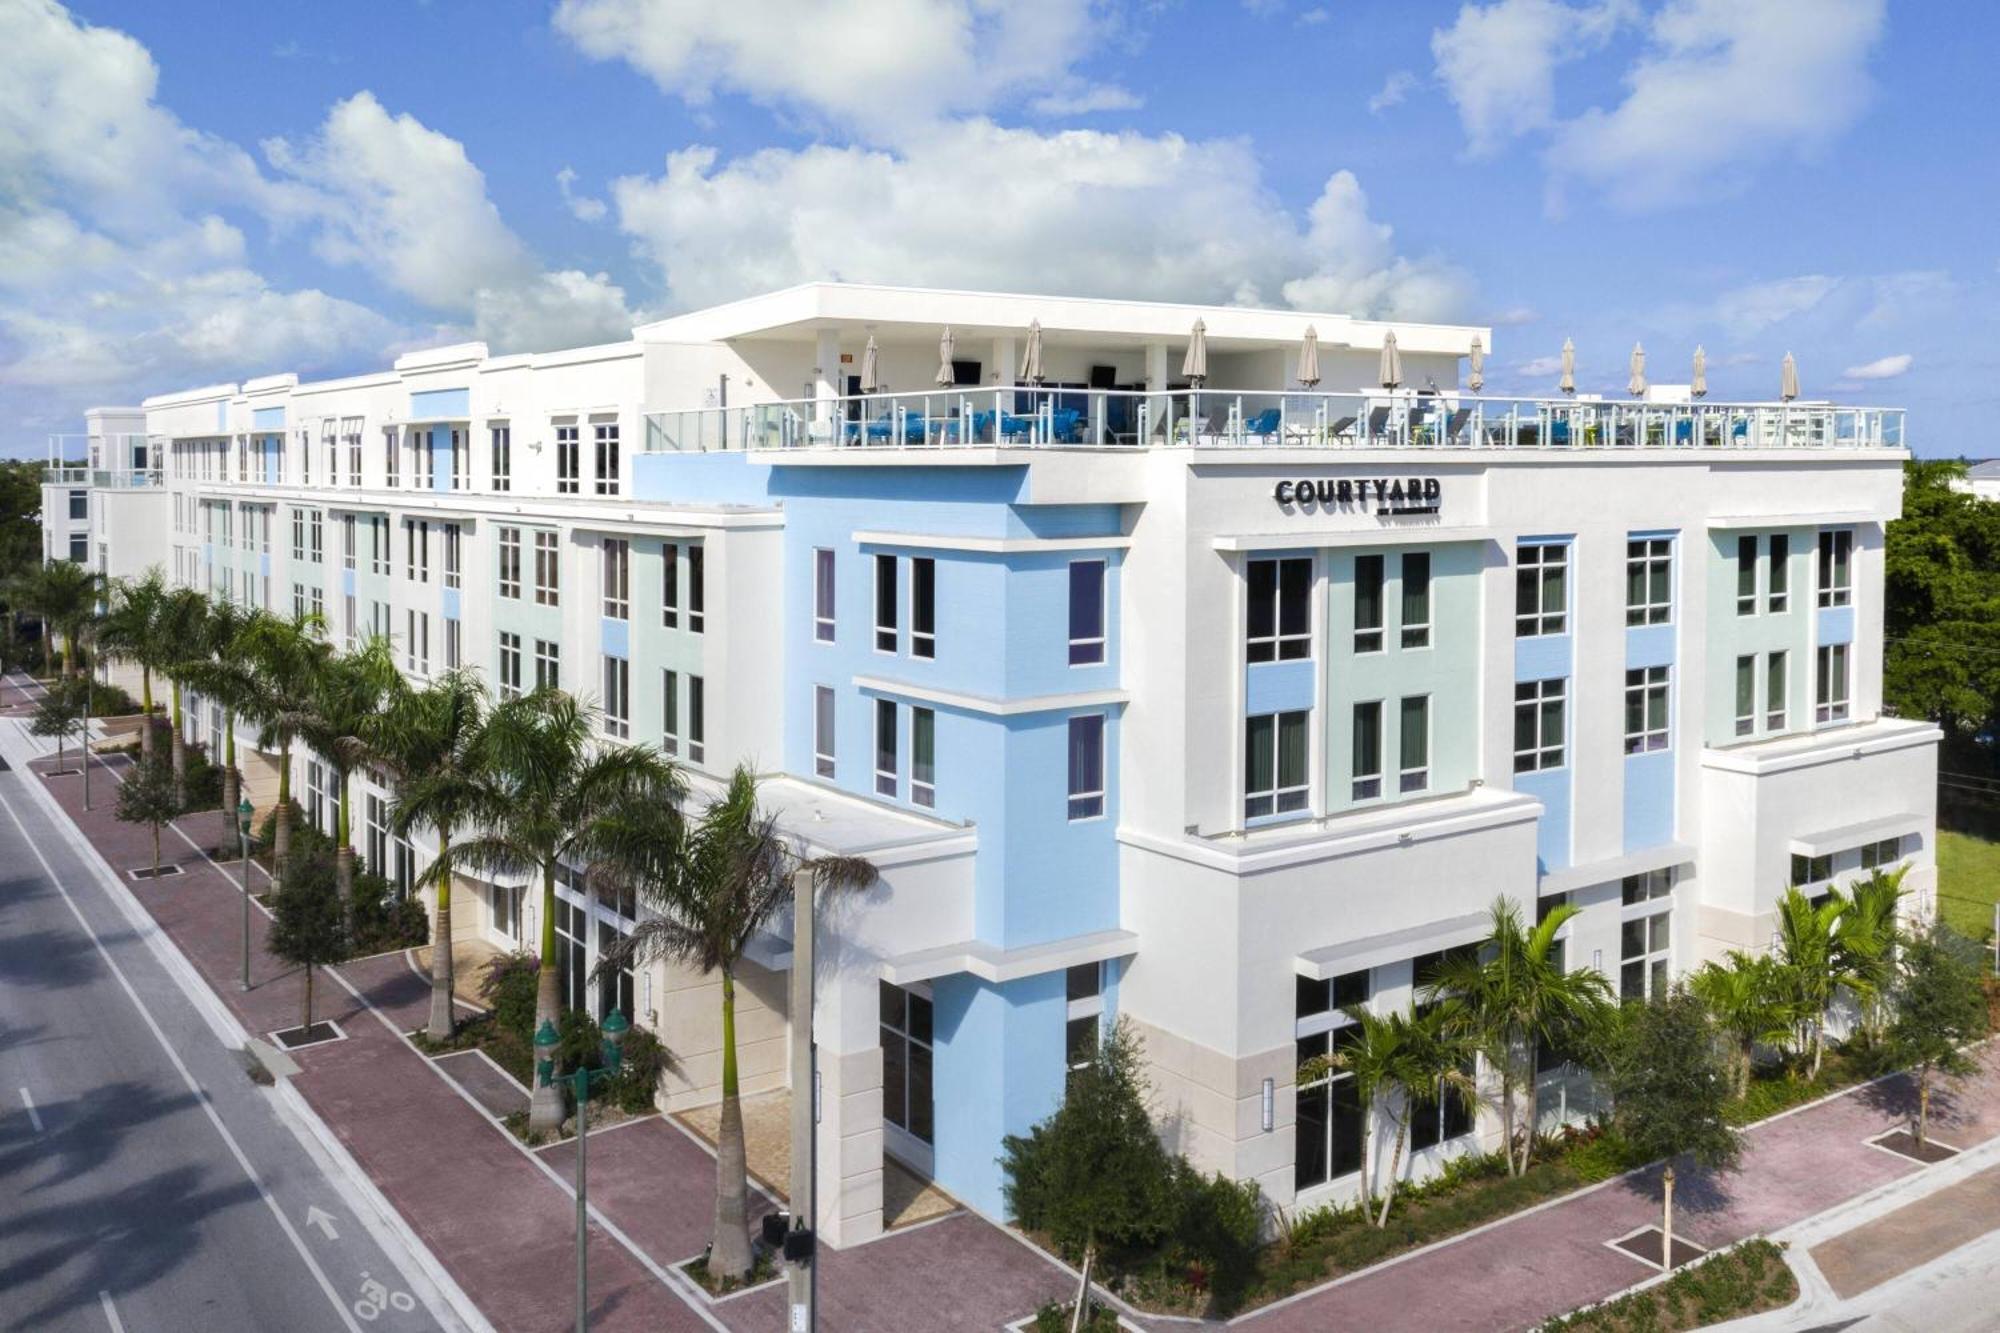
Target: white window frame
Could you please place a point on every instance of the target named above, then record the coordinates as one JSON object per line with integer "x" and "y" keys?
{"x": 1551, "y": 561}
{"x": 1836, "y": 566}
{"x": 1652, "y": 685}
{"x": 1831, "y": 689}
{"x": 1086, "y": 802}
{"x": 1415, "y": 634}
{"x": 888, "y": 781}
{"x": 500, "y": 439}
{"x": 825, "y": 732}
{"x": 609, "y": 460}
{"x": 1411, "y": 780}
{"x": 1277, "y": 801}
{"x": 1279, "y": 645}
{"x": 1366, "y": 769}
{"x": 923, "y": 778}
{"x": 888, "y": 585}
{"x": 670, "y": 585}
{"x": 825, "y": 594}
{"x": 509, "y": 562}
{"x": 617, "y": 568}
{"x": 1746, "y": 698}
{"x": 670, "y": 712}
{"x": 1652, "y": 560}
{"x": 569, "y": 460}
{"x": 617, "y": 697}
{"x": 1543, "y": 755}
{"x": 1088, "y": 649}
{"x": 548, "y": 568}
{"x": 923, "y": 606}
{"x": 1777, "y": 689}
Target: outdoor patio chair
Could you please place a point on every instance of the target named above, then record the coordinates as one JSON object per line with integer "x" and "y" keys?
{"x": 1264, "y": 424}
{"x": 1454, "y": 424}
{"x": 1378, "y": 421}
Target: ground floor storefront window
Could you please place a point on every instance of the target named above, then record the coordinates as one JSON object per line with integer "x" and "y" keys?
{"x": 906, "y": 1073}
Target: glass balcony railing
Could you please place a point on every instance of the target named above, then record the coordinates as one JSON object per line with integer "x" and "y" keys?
{"x": 1027, "y": 417}
{"x": 108, "y": 478}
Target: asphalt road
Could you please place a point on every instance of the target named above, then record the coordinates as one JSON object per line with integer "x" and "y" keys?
{"x": 145, "y": 1182}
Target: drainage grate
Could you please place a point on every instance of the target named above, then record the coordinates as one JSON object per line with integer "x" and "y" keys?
{"x": 146, "y": 872}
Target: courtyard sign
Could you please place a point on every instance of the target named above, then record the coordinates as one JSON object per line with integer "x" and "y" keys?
{"x": 1389, "y": 495}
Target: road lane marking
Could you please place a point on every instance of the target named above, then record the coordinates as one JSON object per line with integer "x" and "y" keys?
{"x": 173, "y": 1057}
{"x": 317, "y": 1216}
{"x": 110, "y": 1312}
{"x": 34, "y": 1116}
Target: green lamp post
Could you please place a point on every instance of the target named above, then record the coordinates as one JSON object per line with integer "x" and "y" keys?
{"x": 243, "y": 813}
{"x": 580, "y": 1083}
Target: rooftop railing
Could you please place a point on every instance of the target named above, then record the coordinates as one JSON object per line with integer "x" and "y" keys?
{"x": 111, "y": 478}
{"x": 1026, "y": 417}
{"x": 113, "y": 460}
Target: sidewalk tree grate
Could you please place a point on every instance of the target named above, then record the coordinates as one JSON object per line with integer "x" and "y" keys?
{"x": 321, "y": 1033}
{"x": 147, "y": 872}
{"x": 1645, "y": 1243}
{"x": 1904, "y": 1144}
{"x": 61, "y": 772}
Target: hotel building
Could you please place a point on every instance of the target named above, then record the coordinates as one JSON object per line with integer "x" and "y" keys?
{"x": 1216, "y": 705}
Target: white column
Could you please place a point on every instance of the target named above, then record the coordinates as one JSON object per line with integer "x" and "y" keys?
{"x": 850, "y": 1101}
{"x": 1156, "y": 383}
{"x": 826, "y": 370}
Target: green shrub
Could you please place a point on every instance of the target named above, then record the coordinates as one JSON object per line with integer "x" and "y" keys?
{"x": 107, "y": 700}
{"x": 1217, "y": 1228}
{"x": 1054, "y": 1318}
{"x": 509, "y": 991}
{"x": 645, "y": 1059}
{"x": 1742, "y": 1281}
{"x": 307, "y": 841}
{"x": 204, "y": 781}
{"x": 1599, "y": 1154}
{"x": 382, "y": 920}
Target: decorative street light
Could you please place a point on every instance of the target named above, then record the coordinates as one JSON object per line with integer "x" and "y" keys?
{"x": 243, "y": 813}
{"x": 580, "y": 1083}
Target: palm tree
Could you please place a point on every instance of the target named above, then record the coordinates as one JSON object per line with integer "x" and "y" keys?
{"x": 183, "y": 654}
{"x": 712, "y": 885}
{"x": 64, "y": 594}
{"x": 130, "y": 632}
{"x": 1745, "y": 994}
{"x": 1513, "y": 996}
{"x": 433, "y": 741}
{"x": 1867, "y": 936}
{"x": 281, "y": 658}
{"x": 345, "y": 695}
{"x": 545, "y": 781}
{"x": 1813, "y": 965}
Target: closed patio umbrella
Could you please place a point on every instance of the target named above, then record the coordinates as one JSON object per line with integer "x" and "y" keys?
{"x": 1698, "y": 385}
{"x": 1636, "y": 386}
{"x": 1392, "y": 362}
{"x": 871, "y": 367}
{"x": 1194, "y": 366}
{"x": 1567, "y": 384}
{"x": 946, "y": 376}
{"x": 1309, "y": 358}
{"x": 1031, "y": 355}
{"x": 1788, "y": 385}
{"x": 1477, "y": 379}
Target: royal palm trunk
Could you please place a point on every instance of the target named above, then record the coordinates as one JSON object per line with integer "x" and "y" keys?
{"x": 180, "y": 752}
{"x": 281, "y": 825}
{"x": 443, "y": 1018}
{"x": 729, "y": 1249}
{"x": 232, "y": 787}
{"x": 548, "y": 984}
{"x": 343, "y": 855}
{"x": 146, "y": 702}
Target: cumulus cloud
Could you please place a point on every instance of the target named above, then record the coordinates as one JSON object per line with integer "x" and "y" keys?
{"x": 1132, "y": 215}
{"x": 1087, "y": 100}
{"x": 585, "y": 208}
{"x": 1882, "y": 368}
{"x": 1394, "y": 90}
{"x": 1827, "y": 303}
{"x": 1746, "y": 311}
{"x": 1498, "y": 61}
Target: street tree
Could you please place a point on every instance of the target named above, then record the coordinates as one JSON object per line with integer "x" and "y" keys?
{"x": 182, "y": 617}
{"x": 280, "y": 657}
{"x": 130, "y": 632}
{"x": 309, "y": 927}
{"x": 1745, "y": 994}
{"x": 1940, "y": 1009}
{"x": 59, "y": 712}
{"x": 1866, "y": 939}
{"x": 345, "y": 698}
{"x": 146, "y": 796}
{"x": 1813, "y": 965}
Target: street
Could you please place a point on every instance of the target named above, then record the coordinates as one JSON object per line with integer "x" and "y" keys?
{"x": 145, "y": 1181}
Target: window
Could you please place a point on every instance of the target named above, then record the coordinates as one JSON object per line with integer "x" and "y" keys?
{"x": 1083, "y": 987}
{"x": 1274, "y": 764}
{"x": 378, "y": 619}
{"x": 417, "y": 643}
{"x": 1329, "y": 1133}
{"x": 617, "y": 579}
{"x": 567, "y": 461}
{"x": 79, "y": 548}
{"x": 548, "y": 572}
{"x": 453, "y": 556}
{"x": 1430, "y": 1122}
{"x": 548, "y": 664}
{"x": 378, "y": 834}
{"x": 886, "y": 636}
{"x": 348, "y": 621}
{"x": 1887, "y": 852}
{"x": 461, "y": 460}
{"x": 617, "y": 698}
{"x": 510, "y": 562}
{"x": 1746, "y": 576}
{"x": 670, "y": 713}
{"x": 1541, "y": 595}
{"x": 1538, "y": 724}
{"x": 1746, "y": 694}
{"x": 1643, "y": 954}
{"x": 502, "y": 438}
{"x": 1775, "y": 689}
{"x": 606, "y": 433}
{"x": 1836, "y": 559}
{"x": 316, "y": 531}
{"x": 1649, "y": 581}
{"x": 1368, "y": 579}
{"x": 1830, "y": 685}
{"x": 670, "y": 586}
{"x": 923, "y": 606}
{"x": 378, "y": 551}
{"x": 1635, "y": 890}
{"x": 1416, "y": 577}
{"x": 329, "y": 436}
{"x": 1086, "y": 612}
{"x": 298, "y": 601}
{"x": 347, "y": 551}
{"x": 417, "y": 550}
{"x": 298, "y": 529}
{"x": 923, "y": 757}
{"x": 1368, "y": 750}
{"x": 1413, "y": 744}
{"x": 697, "y": 590}
{"x": 1645, "y": 709}
{"x": 697, "y": 693}
{"x": 823, "y": 730}
{"x": 906, "y": 1061}
{"x": 1280, "y": 613}
{"x": 886, "y": 783}
{"x": 392, "y": 454}
{"x": 79, "y": 505}
{"x": 823, "y": 594}
{"x": 1809, "y": 870}
{"x": 1086, "y": 766}
{"x": 453, "y": 642}
{"x": 1781, "y": 573}
{"x": 350, "y": 435}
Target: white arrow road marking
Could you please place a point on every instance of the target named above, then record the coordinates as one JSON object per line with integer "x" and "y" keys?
{"x": 34, "y": 1116}
{"x": 110, "y": 1312}
{"x": 317, "y": 1216}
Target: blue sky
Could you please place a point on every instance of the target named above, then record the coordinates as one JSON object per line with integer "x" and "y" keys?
{"x": 192, "y": 194}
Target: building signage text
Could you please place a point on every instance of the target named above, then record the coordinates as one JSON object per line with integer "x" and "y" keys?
{"x": 1389, "y": 495}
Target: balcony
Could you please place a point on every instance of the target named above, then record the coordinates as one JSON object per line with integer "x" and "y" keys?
{"x": 1071, "y": 418}
{"x": 109, "y": 461}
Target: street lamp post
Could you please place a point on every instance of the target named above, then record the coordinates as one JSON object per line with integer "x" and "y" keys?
{"x": 243, "y": 812}
{"x": 580, "y": 1084}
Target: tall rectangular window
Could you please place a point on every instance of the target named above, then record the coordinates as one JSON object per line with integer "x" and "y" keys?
{"x": 350, "y": 435}
{"x": 1649, "y": 567}
{"x": 298, "y": 529}
{"x": 417, "y": 642}
{"x": 510, "y": 665}
{"x": 1416, "y": 580}
{"x": 617, "y": 578}
{"x": 392, "y": 456}
{"x": 1830, "y": 684}
{"x": 378, "y": 544}
{"x": 1279, "y": 625}
{"x": 510, "y": 562}
{"x": 347, "y": 541}
{"x": 823, "y": 731}
{"x": 1746, "y": 575}
{"x": 670, "y": 586}
{"x": 609, "y": 451}
{"x": 502, "y": 441}
{"x": 79, "y": 504}
{"x": 697, "y": 719}
{"x": 697, "y": 587}
{"x": 417, "y": 549}
{"x": 461, "y": 460}
{"x": 823, "y": 594}
{"x": 1836, "y": 560}
{"x": 1646, "y": 709}
{"x": 670, "y": 713}
{"x": 886, "y": 634}
{"x": 923, "y": 606}
{"x": 1541, "y": 589}
{"x": 1275, "y": 753}
{"x": 1746, "y": 694}
{"x": 886, "y": 783}
{"x": 1776, "y": 688}
{"x": 1413, "y": 744}
{"x": 617, "y": 698}
{"x": 453, "y": 556}
{"x": 1086, "y": 612}
{"x": 1329, "y": 1134}
{"x": 568, "y": 461}
{"x": 454, "y": 629}
{"x": 1368, "y": 750}
{"x": 548, "y": 570}
{"x": 923, "y": 757}
{"x": 349, "y": 621}
{"x": 1645, "y": 949}
{"x": 1368, "y": 582}
{"x": 1086, "y": 766}
{"x": 1538, "y": 724}
{"x": 1781, "y": 573}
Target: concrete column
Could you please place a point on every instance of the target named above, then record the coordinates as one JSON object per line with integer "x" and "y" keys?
{"x": 1156, "y": 383}
{"x": 1006, "y": 360}
{"x": 826, "y": 370}
{"x": 850, "y": 1105}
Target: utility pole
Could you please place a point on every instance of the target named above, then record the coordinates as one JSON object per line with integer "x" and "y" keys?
{"x": 802, "y": 1278}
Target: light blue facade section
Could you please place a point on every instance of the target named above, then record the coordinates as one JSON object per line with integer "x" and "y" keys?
{"x": 440, "y": 454}
{"x": 1649, "y": 800}
{"x": 1836, "y": 624}
{"x": 1649, "y": 646}
{"x": 1542, "y": 657}
{"x": 450, "y": 603}
{"x": 441, "y": 405}
{"x": 1277, "y": 687}
{"x": 264, "y": 563}
{"x": 271, "y": 450}
{"x": 1551, "y": 788}
{"x": 616, "y": 636}
{"x": 268, "y": 418}
{"x": 221, "y": 417}
{"x": 998, "y": 1063}
{"x": 347, "y": 583}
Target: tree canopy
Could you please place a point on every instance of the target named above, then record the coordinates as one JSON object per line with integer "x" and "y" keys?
{"x": 1941, "y": 595}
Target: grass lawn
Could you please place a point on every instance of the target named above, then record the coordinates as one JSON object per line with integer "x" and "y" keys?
{"x": 1968, "y": 882}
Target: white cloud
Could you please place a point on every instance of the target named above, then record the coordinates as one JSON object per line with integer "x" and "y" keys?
{"x": 1087, "y": 100}
{"x": 586, "y": 208}
{"x": 1394, "y": 89}
{"x": 973, "y": 204}
{"x": 1498, "y": 61}
{"x": 1312, "y": 18}
{"x": 884, "y": 67}
{"x": 1882, "y": 368}
{"x": 1539, "y": 366}
{"x": 1747, "y": 311}
{"x": 1515, "y": 315}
